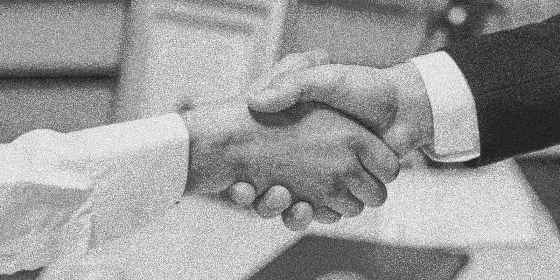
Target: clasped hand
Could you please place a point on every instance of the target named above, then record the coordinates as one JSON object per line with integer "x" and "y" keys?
{"x": 316, "y": 141}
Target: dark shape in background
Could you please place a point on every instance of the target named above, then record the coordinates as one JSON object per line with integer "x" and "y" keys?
{"x": 23, "y": 275}
{"x": 314, "y": 257}
{"x": 476, "y": 14}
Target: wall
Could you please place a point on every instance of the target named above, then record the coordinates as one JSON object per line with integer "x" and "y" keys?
{"x": 196, "y": 52}
{"x": 59, "y": 63}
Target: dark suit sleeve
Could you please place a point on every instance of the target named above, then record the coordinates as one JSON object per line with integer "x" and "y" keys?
{"x": 514, "y": 76}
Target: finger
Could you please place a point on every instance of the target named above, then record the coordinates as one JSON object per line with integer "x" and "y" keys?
{"x": 326, "y": 84}
{"x": 301, "y": 61}
{"x": 377, "y": 158}
{"x": 242, "y": 193}
{"x": 364, "y": 93}
{"x": 261, "y": 98}
{"x": 346, "y": 204}
{"x": 368, "y": 189}
{"x": 326, "y": 215}
{"x": 298, "y": 216}
{"x": 273, "y": 202}
{"x": 290, "y": 63}
{"x": 276, "y": 100}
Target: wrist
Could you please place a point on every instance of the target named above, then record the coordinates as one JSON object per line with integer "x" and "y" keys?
{"x": 206, "y": 149}
{"x": 193, "y": 121}
{"x": 212, "y": 129}
{"x": 208, "y": 124}
{"x": 414, "y": 114}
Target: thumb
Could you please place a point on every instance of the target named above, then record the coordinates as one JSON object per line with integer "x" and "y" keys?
{"x": 363, "y": 93}
{"x": 318, "y": 83}
{"x": 272, "y": 100}
{"x": 277, "y": 89}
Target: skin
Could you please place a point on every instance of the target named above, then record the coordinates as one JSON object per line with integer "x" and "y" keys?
{"x": 320, "y": 156}
{"x": 392, "y": 103}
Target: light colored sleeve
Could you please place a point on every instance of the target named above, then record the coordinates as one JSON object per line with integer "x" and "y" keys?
{"x": 62, "y": 194}
{"x": 456, "y": 134}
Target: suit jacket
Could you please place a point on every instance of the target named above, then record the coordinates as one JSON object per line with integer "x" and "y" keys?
{"x": 514, "y": 76}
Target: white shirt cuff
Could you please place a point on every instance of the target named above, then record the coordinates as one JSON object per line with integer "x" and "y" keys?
{"x": 65, "y": 193}
{"x": 456, "y": 134}
{"x": 141, "y": 170}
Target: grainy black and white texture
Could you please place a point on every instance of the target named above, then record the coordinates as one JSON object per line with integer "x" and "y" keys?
{"x": 73, "y": 64}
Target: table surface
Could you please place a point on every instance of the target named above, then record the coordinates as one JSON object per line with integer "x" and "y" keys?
{"x": 491, "y": 214}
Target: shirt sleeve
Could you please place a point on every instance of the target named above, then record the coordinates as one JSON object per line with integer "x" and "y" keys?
{"x": 456, "y": 134}
{"x": 62, "y": 194}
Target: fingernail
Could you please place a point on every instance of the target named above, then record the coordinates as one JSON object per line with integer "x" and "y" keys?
{"x": 242, "y": 193}
{"x": 299, "y": 216}
{"x": 275, "y": 200}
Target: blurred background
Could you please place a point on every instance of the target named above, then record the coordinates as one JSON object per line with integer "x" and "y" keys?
{"x": 73, "y": 64}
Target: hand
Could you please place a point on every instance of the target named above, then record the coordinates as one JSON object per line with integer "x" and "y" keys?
{"x": 322, "y": 157}
{"x": 296, "y": 215}
{"x": 391, "y": 102}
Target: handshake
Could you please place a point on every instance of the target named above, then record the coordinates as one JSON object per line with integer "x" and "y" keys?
{"x": 313, "y": 141}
